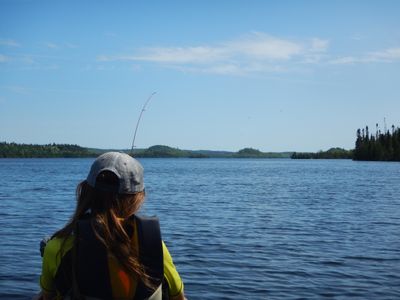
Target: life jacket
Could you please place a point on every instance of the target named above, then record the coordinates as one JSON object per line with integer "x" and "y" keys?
{"x": 91, "y": 263}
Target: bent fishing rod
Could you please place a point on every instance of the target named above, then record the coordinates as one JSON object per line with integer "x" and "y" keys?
{"x": 140, "y": 117}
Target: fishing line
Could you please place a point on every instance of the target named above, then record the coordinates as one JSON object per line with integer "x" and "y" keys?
{"x": 140, "y": 117}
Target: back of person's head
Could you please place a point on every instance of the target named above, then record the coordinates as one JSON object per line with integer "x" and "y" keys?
{"x": 112, "y": 192}
{"x": 114, "y": 185}
{"x": 128, "y": 173}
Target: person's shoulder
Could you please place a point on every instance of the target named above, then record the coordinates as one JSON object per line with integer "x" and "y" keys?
{"x": 54, "y": 245}
{"x": 171, "y": 275}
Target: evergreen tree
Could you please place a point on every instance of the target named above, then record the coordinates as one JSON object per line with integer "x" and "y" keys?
{"x": 382, "y": 146}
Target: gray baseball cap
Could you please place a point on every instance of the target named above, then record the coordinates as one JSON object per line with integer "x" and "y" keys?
{"x": 128, "y": 170}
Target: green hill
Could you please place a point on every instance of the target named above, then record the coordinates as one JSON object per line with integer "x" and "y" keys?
{"x": 255, "y": 153}
{"x": 162, "y": 151}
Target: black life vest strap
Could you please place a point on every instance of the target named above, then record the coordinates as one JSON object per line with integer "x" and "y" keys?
{"x": 92, "y": 272}
{"x": 150, "y": 253}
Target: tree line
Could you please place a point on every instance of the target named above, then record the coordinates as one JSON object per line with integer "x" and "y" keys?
{"x": 14, "y": 150}
{"x": 333, "y": 153}
{"x": 381, "y": 146}
{"x": 10, "y": 150}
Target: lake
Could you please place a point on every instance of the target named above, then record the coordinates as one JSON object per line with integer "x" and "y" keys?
{"x": 236, "y": 228}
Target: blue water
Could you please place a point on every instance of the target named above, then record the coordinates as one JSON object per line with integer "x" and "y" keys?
{"x": 237, "y": 229}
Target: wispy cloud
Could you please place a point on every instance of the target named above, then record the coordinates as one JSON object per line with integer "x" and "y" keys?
{"x": 357, "y": 37}
{"x": 389, "y": 55}
{"x": 4, "y": 58}
{"x": 345, "y": 60}
{"x": 51, "y": 45}
{"x": 71, "y": 46}
{"x": 259, "y": 46}
{"x": 9, "y": 43}
{"x": 319, "y": 45}
{"x": 110, "y": 34}
{"x": 15, "y": 89}
{"x": 177, "y": 55}
{"x": 255, "y": 52}
{"x": 24, "y": 62}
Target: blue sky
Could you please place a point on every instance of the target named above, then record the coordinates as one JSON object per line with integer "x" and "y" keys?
{"x": 272, "y": 75}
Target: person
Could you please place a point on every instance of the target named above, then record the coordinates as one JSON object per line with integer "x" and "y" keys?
{"x": 107, "y": 251}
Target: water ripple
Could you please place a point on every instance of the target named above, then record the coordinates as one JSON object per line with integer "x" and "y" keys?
{"x": 237, "y": 229}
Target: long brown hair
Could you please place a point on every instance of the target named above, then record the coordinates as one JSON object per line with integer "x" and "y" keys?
{"x": 110, "y": 213}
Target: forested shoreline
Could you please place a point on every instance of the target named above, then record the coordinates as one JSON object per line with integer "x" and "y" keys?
{"x": 333, "y": 153}
{"x": 381, "y": 146}
{"x": 14, "y": 150}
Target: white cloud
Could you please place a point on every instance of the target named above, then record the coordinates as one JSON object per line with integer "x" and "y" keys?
{"x": 110, "y": 34}
{"x": 221, "y": 69}
{"x": 180, "y": 55}
{"x": 9, "y": 43}
{"x": 260, "y": 46}
{"x": 319, "y": 45}
{"x": 28, "y": 59}
{"x": 18, "y": 59}
{"x": 15, "y": 89}
{"x": 51, "y": 45}
{"x": 256, "y": 46}
{"x": 231, "y": 69}
{"x": 63, "y": 45}
{"x": 388, "y": 55}
{"x": 255, "y": 52}
{"x": 226, "y": 69}
{"x": 357, "y": 37}
{"x": 347, "y": 60}
{"x": 71, "y": 46}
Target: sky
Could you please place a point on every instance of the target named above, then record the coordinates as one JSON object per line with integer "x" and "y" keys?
{"x": 271, "y": 75}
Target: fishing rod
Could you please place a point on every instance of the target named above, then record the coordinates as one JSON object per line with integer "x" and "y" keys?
{"x": 140, "y": 117}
